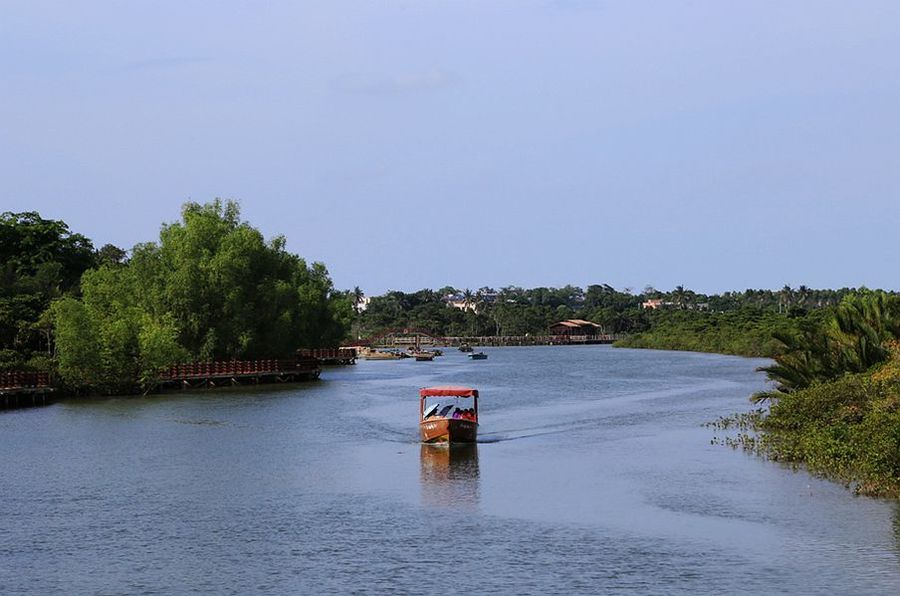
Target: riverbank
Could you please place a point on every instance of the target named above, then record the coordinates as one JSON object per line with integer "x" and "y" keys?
{"x": 738, "y": 333}
{"x": 836, "y": 407}
{"x": 846, "y": 430}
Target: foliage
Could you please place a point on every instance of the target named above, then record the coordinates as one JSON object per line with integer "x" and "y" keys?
{"x": 211, "y": 288}
{"x": 847, "y": 429}
{"x": 732, "y": 322}
{"x": 40, "y": 260}
{"x": 836, "y": 408}
{"x": 852, "y": 339}
{"x": 508, "y": 311}
{"x": 745, "y": 332}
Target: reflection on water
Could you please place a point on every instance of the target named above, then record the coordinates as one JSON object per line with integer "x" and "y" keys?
{"x": 895, "y": 525}
{"x": 450, "y": 475}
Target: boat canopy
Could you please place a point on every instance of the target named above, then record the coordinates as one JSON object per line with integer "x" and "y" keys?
{"x": 448, "y": 391}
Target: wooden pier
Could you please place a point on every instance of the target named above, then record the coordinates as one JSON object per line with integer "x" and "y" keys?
{"x": 207, "y": 375}
{"x": 22, "y": 389}
{"x": 393, "y": 340}
{"x": 329, "y": 356}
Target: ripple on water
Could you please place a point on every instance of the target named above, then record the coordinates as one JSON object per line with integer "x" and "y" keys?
{"x": 593, "y": 475}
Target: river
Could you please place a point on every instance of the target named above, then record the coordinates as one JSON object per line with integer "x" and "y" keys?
{"x": 594, "y": 474}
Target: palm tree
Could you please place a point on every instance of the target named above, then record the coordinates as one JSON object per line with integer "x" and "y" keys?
{"x": 357, "y": 296}
{"x": 679, "y": 294}
{"x": 803, "y": 294}
{"x": 852, "y": 340}
{"x": 785, "y": 297}
{"x": 468, "y": 299}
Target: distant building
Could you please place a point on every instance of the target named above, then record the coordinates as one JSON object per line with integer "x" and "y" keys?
{"x": 659, "y": 303}
{"x": 575, "y": 327}
{"x": 457, "y": 301}
{"x": 656, "y": 303}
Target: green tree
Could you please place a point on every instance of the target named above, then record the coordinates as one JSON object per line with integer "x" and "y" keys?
{"x": 211, "y": 288}
{"x": 852, "y": 339}
{"x": 40, "y": 260}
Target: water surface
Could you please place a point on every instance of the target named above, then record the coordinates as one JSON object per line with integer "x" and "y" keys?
{"x": 594, "y": 475}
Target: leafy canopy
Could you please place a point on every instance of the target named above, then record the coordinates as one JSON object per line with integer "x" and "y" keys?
{"x": 40, "y": 260}
{"x": 853, "y": 339}
{"x": 211, "y": 288}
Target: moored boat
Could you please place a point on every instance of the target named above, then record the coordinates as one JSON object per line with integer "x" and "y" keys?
{"x": 416, "y": 352}
{"x": 465, "y": 348}
{"x": 423, "y": 356}
{"x": 478, "y": 356}
{"x": 448, "y": 423}
{"x": 382, "y": 355}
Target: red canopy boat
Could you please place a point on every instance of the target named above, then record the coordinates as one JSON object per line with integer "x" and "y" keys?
{"x": 443, "y": 420}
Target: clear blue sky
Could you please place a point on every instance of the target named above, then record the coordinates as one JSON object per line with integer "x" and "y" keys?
{"x": 718, "y": 145}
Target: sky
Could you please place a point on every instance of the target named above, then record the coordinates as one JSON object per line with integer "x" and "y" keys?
{"x": 412, "y": 144}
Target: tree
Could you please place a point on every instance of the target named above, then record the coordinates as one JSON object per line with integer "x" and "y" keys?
{"x": 211, "y": 288}
{"x": 680, "y": 296}
{"x": 40, "y": 260}
{"x": 111, "y": 255}
{"x": 851, "y": 340}
{"x": 358, "y": 297}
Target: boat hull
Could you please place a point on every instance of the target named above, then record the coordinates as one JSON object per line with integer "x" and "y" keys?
{"x": 448, "y": 430}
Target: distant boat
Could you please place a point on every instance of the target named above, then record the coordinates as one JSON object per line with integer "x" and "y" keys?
{"x": 422, "y": 355}
{"x": 447, "y": 423}
{"x": 478, "y": 356}
{"x": 465, "y": 348}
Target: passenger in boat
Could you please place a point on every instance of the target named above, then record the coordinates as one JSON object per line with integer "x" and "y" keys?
{"x": 457, "y": 414}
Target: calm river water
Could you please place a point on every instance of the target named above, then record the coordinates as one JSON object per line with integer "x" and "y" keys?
{"x": 595, "y": 475}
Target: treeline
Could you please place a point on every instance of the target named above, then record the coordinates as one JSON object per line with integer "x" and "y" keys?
{"x": 732, "y": 322}
{"x": 508, "y": 311}
{"x": 211, "y": 288}
{"x": 748, "y": 331}
{"x": 836, "y": 404}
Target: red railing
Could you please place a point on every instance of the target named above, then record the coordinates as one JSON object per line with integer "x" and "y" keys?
{"x": 231, "y": 368}
{"x": 19, "y": 379}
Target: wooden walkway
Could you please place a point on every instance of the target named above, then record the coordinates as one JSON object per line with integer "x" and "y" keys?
{"x": 330, "y": 356}
{"x": 504, "y": 340}
{"x": 203, "y": 375}
{"x": 22, "y": 389}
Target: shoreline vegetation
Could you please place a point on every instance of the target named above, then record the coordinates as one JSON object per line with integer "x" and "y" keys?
{"x": 836, "y": 407}
{"x": 746, "y": 332}
{"x": 108, "y": 321}
{"x": 211, "y": 287}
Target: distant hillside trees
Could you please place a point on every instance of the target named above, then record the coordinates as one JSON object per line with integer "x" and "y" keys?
{"x": 508, "y": 311}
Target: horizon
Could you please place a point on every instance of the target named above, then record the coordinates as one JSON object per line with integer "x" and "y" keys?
{"x": 535, "y": 144}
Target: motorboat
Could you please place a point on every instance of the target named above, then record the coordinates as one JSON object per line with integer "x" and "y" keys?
{"x": 442, "y": 420}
